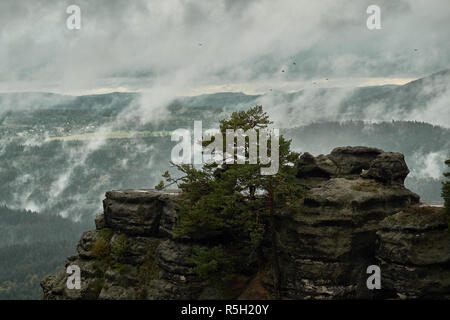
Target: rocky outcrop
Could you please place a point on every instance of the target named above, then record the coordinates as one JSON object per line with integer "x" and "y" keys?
{"x": 414, "y": 253}
{"x": 132, "y": 254}
{"x": 388, "y": 167}
{"x": 356, "y": 213}
{"x": 140, "y": 212}
{"x": 351, "y": 163}
{"x": 328, "y": 244}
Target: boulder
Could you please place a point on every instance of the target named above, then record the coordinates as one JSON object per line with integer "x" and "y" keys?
{"x": 138, "y": 212}
{"x": 388, "y": 167}
{"x": 352, "y": 160}
{"x": 312, "y": 167}
{"x": 351, "y": 163}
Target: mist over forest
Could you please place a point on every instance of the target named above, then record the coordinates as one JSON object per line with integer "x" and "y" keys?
{"x": 86, "y": 111}
{"x": 60, "y": 154}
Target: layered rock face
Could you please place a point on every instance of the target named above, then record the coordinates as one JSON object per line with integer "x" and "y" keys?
{"x": 414, "y": 253}
{"x": 131, "y": 254}
{"x": 328, "y": 244}
{"x": 356, "y": 213}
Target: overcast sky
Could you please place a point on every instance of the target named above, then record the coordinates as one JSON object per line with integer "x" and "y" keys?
{"x": 207, "y": 46}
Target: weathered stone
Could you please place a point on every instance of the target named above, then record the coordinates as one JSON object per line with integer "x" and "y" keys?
{"x": 172, "y": 259}
{"x": 137, "y": 212}
{"x": 55, "y": 286}
{"x": 388, "y": 167}
{"x": 132, "y": 250}
{"x": 100, "y": 222}
{"x": 352, "y": 160}
{"x": 115, "y": 292}
{"x": 415, "y": 282}
{"x": 168, "y": 219}
{"x": 167, "y": 290}
{"x": 350, "y": 163}
{"x": 312, "y": 167}
{"x": 86, "y": 244}
{"x": 348, "y": 220}
{"x": 414, "y": 253}
{"x": 328, "y": 243}
{"x": 415, "y": 238}
{"x": 359, "y": 194}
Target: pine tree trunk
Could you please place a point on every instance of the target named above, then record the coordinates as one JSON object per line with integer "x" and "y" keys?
{"x": 275, "y": 260}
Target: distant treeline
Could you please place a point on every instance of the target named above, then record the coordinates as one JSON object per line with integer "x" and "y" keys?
{"x": 31, "y": 246}
{"x": 406, "y": 137}
{"x": 425, "y": 146}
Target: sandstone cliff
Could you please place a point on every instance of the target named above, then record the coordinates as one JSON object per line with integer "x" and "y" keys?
{"x": 357, "y": 213}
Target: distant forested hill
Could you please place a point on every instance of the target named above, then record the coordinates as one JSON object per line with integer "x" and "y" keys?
{"x": 31, "y": 246}
{"x": 425, "y": 146}
{"x": 52, "y": 160}
{"x": 70, "y": 179}
{"x": 413, "y": 95}
{"x": 401, "y": 136}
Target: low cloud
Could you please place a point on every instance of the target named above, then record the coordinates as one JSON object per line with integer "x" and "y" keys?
{"x": 141, "y": 45}
{"x": 429, "y": 165}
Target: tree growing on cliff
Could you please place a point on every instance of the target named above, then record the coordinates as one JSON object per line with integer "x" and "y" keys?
{"x": 235, "y": 202}
{"x": 446, "y": 194}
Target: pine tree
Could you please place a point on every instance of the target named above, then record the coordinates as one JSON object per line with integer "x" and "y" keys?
{"x": 231, "y": 202}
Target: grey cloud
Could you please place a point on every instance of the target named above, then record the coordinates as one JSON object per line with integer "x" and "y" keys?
{"x": 240, "y": 41}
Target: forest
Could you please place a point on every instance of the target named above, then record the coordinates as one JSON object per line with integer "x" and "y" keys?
{"x": 31, "y": 246}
